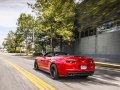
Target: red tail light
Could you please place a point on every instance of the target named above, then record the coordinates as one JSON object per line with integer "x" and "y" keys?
{"x": 91, "y": 61}
{"x": 70, "y": 61}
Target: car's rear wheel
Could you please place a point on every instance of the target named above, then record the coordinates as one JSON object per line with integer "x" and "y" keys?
{"x": 35, "y": 65}
{"x": 54, "y": 72}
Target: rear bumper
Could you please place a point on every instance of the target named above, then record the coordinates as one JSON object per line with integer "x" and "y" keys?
{"x": 77, "y": 73}
{"x": 86, "y": 73}
{"x": 75, "y": 70}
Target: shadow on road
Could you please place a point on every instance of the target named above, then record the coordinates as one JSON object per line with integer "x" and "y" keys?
{"x": 85, "y": 81}
{"x": 89, "y": 80}
{"x": 108, "y": 73}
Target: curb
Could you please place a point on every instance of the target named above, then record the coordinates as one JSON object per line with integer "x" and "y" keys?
{"x": 110, "y": 65}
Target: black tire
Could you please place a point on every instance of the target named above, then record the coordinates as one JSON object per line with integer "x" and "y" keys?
{"x": 35, "y": 65}
{"x": 54, "y": 72}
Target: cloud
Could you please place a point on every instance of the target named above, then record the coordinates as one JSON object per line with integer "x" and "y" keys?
{"x": 8, "y": 19}
{"x": 9, "y": 13}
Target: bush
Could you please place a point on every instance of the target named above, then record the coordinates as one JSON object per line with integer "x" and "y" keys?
{"x": 11, "y": 50}
{"x": 37, "y": 54}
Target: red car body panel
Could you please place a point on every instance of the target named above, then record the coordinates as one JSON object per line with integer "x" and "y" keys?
{"x": 67, "y": 65}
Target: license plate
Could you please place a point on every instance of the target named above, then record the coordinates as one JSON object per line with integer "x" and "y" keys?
{"x": 83, "y": 67}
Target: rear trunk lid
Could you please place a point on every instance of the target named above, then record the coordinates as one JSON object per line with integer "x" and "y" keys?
{"x": 79, "y": 63}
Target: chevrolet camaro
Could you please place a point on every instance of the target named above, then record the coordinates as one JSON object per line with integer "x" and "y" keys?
{"x": 62, "y": 64}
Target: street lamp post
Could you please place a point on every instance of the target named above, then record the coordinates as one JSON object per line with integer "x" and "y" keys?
{"x": 33, "y": 43}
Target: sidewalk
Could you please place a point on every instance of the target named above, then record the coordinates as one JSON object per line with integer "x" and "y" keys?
{"x": 107, "y": 64}
{"x": 98, "y": 63}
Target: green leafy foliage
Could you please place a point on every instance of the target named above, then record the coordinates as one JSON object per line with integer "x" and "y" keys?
{"x": 24, "y": 31}
{"x": 12, "y": 42}
{"x": 95, "y": 12}
{"x": 56, "y": 17}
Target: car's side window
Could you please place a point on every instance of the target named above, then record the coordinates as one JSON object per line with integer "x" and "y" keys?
{"x": 49, "y": 55}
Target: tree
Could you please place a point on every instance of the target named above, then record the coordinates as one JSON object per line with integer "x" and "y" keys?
{"x": 10, "y": 42}
{"x": 25, "y": 29}
{"x": 56, "y": 18}
{"x": 95, "y": 12}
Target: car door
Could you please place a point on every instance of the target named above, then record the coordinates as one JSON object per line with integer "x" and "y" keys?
{"x": 41, "y": 61}
{"x": 47, "y": 60}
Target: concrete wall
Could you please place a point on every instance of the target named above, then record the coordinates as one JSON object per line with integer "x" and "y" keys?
{"x": 109, "y": 43}
{"x": 87, "y": 45}
{"x": 105, "y": 46}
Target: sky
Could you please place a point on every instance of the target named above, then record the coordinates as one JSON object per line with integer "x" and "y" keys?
{"x": 9, "y": 13}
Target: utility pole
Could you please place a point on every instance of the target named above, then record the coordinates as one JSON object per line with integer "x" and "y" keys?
{"x": 26, "y": 45}
{"x": 96, "y": 43}
{"x": 51, "y": 40}
{"x": 33, "y": 43}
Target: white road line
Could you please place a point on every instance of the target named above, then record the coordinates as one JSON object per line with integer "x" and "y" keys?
{"x": 107, "y": 81}
{"x": 106, "y": 68}
{"x": 117, "y": 65}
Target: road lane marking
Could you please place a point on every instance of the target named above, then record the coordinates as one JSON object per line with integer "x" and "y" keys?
{"x": 27, "y": 75}
{"x": 42, "y": 85}
{"x": 107, "y": 81}
{"x": 117, "y": 65}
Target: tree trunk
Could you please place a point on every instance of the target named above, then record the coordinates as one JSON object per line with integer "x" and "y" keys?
{"x": 52, "y": 48}
{"x": 61, "y": 44}
{"x": 15, "y": 49}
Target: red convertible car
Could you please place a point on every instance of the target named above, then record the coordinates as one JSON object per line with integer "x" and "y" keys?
{"x": 61, "y": 64}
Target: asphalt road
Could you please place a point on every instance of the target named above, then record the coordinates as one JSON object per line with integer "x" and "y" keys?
{"x": 17, "y": 73}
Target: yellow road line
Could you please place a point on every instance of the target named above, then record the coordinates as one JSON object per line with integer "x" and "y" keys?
{"x": 42, "y": 85}
{"x": 36, "y": 78}
{"x": 26, "y": 75}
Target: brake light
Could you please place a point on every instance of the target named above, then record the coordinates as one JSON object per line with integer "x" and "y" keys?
{"x": 70, "y": 61}
{"x": 91, "y": 61}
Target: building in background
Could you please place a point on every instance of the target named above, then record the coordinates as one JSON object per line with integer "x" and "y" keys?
{"x": 102, "y": 43}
